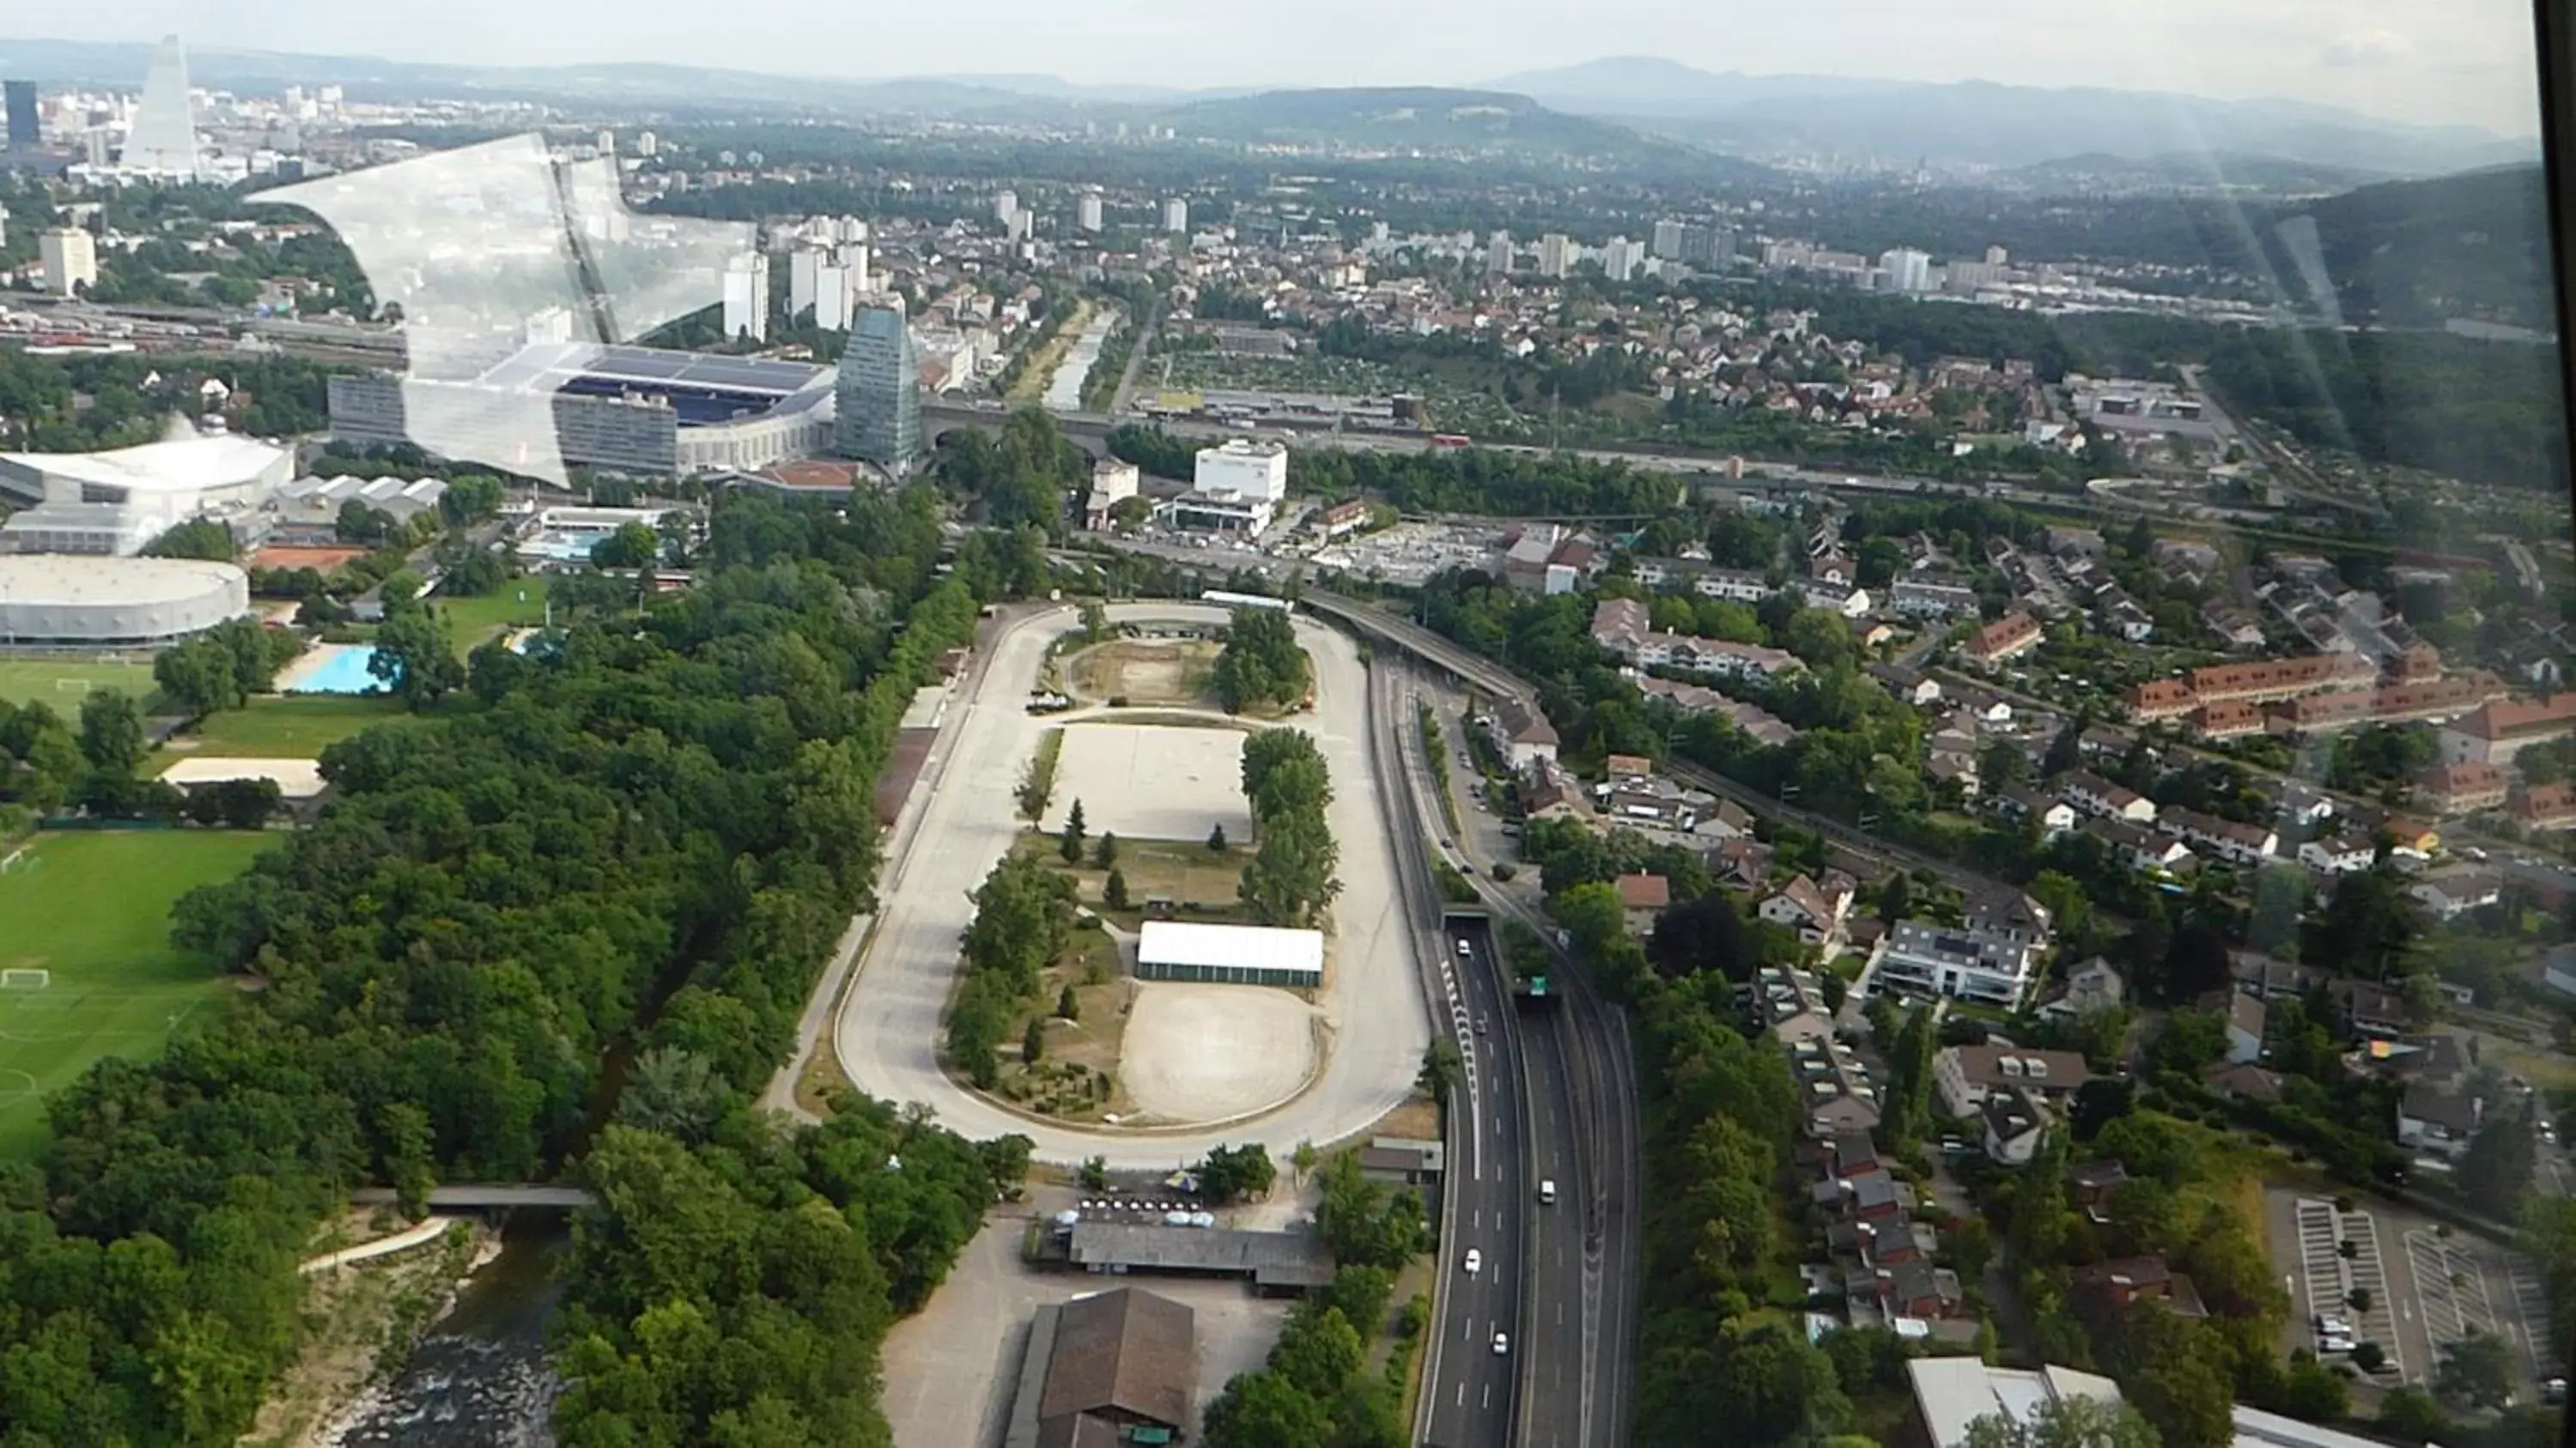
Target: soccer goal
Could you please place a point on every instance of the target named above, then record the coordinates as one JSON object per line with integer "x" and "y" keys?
{"x": 17, "y": 859}
{"x": 25, "y": 978}
{"x": 71, "y": 686}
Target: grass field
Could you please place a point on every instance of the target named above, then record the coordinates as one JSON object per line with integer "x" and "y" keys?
{"x": 297, "y": 727}
{"x": 61, "y": 683}
{"x": 94, "y": 909}
{"x": 475, "y": 621}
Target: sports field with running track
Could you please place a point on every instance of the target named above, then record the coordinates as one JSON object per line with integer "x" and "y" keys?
{"x": 92, "y": 909}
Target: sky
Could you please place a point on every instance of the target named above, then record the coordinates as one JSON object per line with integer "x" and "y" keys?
{"x": 2461, "y": 62}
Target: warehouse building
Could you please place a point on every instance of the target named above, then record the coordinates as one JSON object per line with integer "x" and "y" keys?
{"x": 1230, "y": 955}
{"x": 76, "y": 602}
{"x": 1104, "y": 1370}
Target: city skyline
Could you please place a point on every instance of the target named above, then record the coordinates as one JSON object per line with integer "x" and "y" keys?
{"x": 2465, "y": 65}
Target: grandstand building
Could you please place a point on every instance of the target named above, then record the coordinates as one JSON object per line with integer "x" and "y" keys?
{"x": 60, "y": 602}
{"x": 113, "y": 503}
{"x": 640, "y": 411}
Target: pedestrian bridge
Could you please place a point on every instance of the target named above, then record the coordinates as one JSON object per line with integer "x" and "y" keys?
{"x": 484, "y": 1198}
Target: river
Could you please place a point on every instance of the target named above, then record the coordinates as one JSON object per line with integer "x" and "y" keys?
{"x": 1064, "y": 389}
{"x": 480, "y": 1378}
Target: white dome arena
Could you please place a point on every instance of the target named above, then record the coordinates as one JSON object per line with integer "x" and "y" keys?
{"x": 68, "y": 600}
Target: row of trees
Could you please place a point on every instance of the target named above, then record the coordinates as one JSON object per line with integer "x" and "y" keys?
{"x": 222, "y": 667}
{"x": 1023, "y": 920}
{"x": 1315, "y": 1390}
{"x": 682, "y": 803}
{"x": 1290, "y": 880}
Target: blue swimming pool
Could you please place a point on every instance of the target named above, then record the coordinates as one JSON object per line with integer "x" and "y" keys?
{"x": 343, "y": 670}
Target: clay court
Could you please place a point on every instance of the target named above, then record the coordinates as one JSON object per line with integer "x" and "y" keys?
{"x": 1152, "y": 782}
{"x": 1147, "y": 672}
{"x": 1205, "y": 1053}
{"x": 320, "y": 560}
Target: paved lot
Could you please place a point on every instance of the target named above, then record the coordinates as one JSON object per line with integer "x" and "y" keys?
{"x": 950, "y": 1369}
{"x": 2324, "y": 1280}
{"x": 1215, "y": 1052}
{"x": 1152, "y": 781}
{"x": 2429, "y": 1288}
{"x": 888, "y": 1029}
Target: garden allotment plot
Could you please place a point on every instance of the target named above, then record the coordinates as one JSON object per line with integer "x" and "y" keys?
{"x": 92, "y": 911}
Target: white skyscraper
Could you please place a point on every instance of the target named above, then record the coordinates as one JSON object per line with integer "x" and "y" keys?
{"x": 1668, "y": 240}
{"x": 1017, "y": 228}
{"x": 70, "y": 259}
{"x": 646, "y": 143}
{"x": 1908, "y": 270}
{"x": 607, "y": 142}
{"x": 1555, "y": 254}
{"x": 1619, "y": 259}
{"x": 162, "y": 142}
{"x": 1006, "y": 204}
{"x": 746, "y": 296}
{"x": 1498, "y": 254}
{"x": 1176, "y": 215}
{"x": 833, "y": 296}
{"x": 803, "y": 265}
{"x": 1086, "y": 212}
{"x": 853, "y": 257}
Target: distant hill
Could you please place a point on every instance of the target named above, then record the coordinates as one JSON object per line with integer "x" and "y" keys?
{"x": 2190, "y": 171}
{"x": 1980, "y": 123}
{"x": 1425, "y": 117}
{"x": 2423, "y": 253}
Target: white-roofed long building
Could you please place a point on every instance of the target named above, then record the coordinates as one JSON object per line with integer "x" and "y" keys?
{"x": 1230, "y": 954}
{"x": 72, "y": 602}
{"x": 115, "y": 502}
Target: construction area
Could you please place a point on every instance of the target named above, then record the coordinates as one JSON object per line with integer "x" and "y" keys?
{"x": 1145, "y": 673}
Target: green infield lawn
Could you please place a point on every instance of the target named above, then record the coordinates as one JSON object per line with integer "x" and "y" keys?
{"x": 473, "y": 622}
{"x": 295, "y": 726}
{"x": 62, "y": 683}
{"x": 93, "y": 910}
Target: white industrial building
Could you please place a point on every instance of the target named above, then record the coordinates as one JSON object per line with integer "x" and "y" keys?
{"x": 70, "y": 602}
{"x": 1230, "y": 954}
{"x": 1950, "y": 1393}
{"x": 70, "y": 259}
{"x": 1235, "y": 487}
{"x": 316, "y": 501}
{"x": 115, "y": 502}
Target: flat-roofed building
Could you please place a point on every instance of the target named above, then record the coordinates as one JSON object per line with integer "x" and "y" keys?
{"x": 1230, "y": 954}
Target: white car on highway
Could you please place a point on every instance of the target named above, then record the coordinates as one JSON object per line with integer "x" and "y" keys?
{"x": 1475, "y": 1261}
{"x": 1502, "y": 1344}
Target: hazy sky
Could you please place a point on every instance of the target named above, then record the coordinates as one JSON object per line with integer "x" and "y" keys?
{"x": 2466, "y": 61}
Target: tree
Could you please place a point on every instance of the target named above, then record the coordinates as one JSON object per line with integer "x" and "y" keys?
{"x": 1094, "y": 1175}
{"x": 1442, "y": 1069}
{"x": 1104, "y": 851}
{"x": 1265, "y": 1410}
{"x": 2370, "y": 1357}
{"x": 1216, "y": 839}
{"x": 1033, "y": 1042}
{"x": 2477, "y": 1371}
{"x": 1701, "y": 937}
{"x": 1909, "y": 1084}
{"x": 1067, "y": 1004}
{"x": 2068, "y": 1422}
{"x": 633, "y": 545}
{"x": 413, "y": 656}
{"x": 1113, "y": 890}
{"x": 1302, "y": 1160}
{"x": 2496, "y": 1170}
{"x": 675, "y": 1092}
{"x": 2410, "y": 1415}
{"x": 111, "y": 732}
{"x": 1236, "y": 1173}
{"x": 1071, "y": 847}
{"x": 2359, "y": 1299}
{"x": 1261, "y": 663}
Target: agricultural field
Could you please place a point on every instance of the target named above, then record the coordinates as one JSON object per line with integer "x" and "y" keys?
{"x": 92, "y": 911}
{"x": 62, "y": 683}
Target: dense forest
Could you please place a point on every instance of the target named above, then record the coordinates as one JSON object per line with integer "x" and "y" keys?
{"x": 647, "y": 835}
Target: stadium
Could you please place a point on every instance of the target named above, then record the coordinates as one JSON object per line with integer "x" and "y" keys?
{"x": 57, "y": 601}
{"x": 642, "y": 411}
{"x": 113, "y": 503}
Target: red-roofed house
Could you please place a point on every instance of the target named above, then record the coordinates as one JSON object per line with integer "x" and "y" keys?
{"x": 1644, "y": 898}
{"x": 2011, "y": 634}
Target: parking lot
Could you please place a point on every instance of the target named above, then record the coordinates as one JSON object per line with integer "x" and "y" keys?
{"x": 1153, "y": 782}
{"x": 1408, "y": 553}
{"x": 2428, "y": 1286}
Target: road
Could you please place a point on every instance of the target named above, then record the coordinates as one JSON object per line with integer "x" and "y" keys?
{"x": 888, "y": 1030}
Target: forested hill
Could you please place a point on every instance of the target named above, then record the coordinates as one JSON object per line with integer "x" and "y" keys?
{"x": 2419, "y": 253}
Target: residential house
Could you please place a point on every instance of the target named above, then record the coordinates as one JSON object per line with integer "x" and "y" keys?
{"x": 2495, "y": 732}
{"x": 2096, "y": 985}
{"x": 2370, "y": 1010}
{"x": 1816, "y": 912}
{"x": 2342, "y": 854}
{"x": 2139, "y": 847}
{"x": 2434, "y": 1121}
{"x": 1932, "y": 595}
{"x": 2546, "y": 807}
{"x": 2111, "y": 1286}
{"x": 1741, "y": 864}
{"x": 2095, "y": 795}
{"x": 2012, "y": 634}
{"x": 2015, "y": 1123}
{"x": 2556, "y": 969}
{"x": 2243, "y": 1083}
{"x": 1547, "y": 793}
{"x": 2451, "y": 893}
{"x": 2055, "y": 816}
{"x": 2246, "y": 1018}
{"x": 2230, "y": 840}
{"x": 2455, "y": 789}
{"x": 2091, "y": 1186}
{"x": 1993, "y": 967}
{"x": 1963, "y": 1077}
{"x": 1911, "y": 686}
{"x": 1919, "y": 1291}
{"x": 1521, "y": 734}
{"x": 1643, "y": 898}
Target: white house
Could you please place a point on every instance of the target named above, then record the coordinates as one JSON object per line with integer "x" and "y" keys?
{"x": 2096, "y": 985}
{"x": 2246, "y": 1015}
{"x": 2450, "y": 894}
{"x": 1966, "y": 1077}
{"x": 2338, "y": 854}
{"x": 2229, "y": 840}
{"x": 1817, "y": 912}
{"x": 2095, "y": 795}
{"x": 1522, "y": 736}
{"x": 1991, "y": 966}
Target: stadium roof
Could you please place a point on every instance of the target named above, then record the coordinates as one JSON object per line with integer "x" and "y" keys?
{"x": 187, "y": 465}
{"x": 1236, "y": 947}
{"x": 548, "y": 366}
{"x": 66, "y": 578}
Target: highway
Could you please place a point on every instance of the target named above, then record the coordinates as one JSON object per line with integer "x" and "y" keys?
{"x": 1469, "y": 1393}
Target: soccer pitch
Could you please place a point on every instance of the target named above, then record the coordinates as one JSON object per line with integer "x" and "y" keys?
{"x": 62, "y": 683}
{"x": 93, "y": 911}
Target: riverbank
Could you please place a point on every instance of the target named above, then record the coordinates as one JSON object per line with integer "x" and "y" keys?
{"x": 362, "y": 1322}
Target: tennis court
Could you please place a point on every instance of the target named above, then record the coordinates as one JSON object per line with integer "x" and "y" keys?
{"x": 91, "y": 911}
